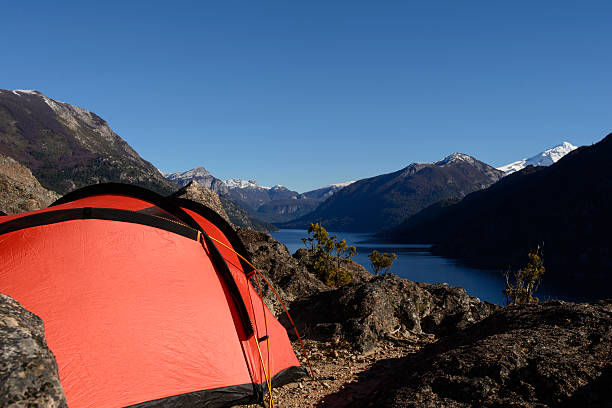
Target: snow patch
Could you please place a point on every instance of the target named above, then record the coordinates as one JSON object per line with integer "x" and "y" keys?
{"x": 545, "y": 158}
{"x": 239, "y": 183}
{"x": 455, "y": 157}
{"x": 342, "y": 185}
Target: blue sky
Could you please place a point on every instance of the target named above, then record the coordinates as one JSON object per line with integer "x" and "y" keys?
{"x": 310, "y": 93}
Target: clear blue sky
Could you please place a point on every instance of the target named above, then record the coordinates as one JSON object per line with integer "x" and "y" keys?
{"x": 310, "y": 93}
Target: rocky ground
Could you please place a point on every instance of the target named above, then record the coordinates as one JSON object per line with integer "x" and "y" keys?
{"x": 339, "y": 370}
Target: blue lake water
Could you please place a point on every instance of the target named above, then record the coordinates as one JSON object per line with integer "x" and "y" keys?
{"x": 416, "y": 263}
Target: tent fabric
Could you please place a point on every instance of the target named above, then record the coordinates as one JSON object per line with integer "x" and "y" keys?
{"x": 141, "y": 306}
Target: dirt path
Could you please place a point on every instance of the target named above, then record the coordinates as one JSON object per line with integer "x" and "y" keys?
{"x": 343, "y": 377}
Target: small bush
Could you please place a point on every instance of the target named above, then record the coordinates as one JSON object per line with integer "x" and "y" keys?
{"x": 381, "y": 262}
{"x": 328, "y": 255}
{"x": 526, "y": 280}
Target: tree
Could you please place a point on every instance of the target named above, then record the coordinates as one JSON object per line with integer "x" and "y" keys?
{"x": 526, "y": 280}
{"x": 343, "y": 253}
{"x": 327, "y": 265}
{"x": 381, "y": 262}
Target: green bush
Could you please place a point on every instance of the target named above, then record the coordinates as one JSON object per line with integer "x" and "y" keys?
{"x": 328, "y": 255}
{"x": 526, "y": 280}
{"x": 381, "y": 262}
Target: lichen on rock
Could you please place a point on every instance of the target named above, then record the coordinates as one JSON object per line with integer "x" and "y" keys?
{"x": 28, "y": 370}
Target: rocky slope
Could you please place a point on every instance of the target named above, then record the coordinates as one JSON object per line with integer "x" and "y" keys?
{"x": 549, "y": 355}
{"x": 28, "y": 371}
{"x": 19, "y": 189}
{"x": 381, "y": 202}
{"x": 565, "y": 206}
{"x": 545, "y": 158}
{"x": 67, "y": 147}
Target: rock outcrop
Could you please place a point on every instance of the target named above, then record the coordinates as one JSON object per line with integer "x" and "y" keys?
{"x": 198, "y": 193}
{"x": 363, "y": 313}
{"x": 28, "y": 371}
{"x": 20, "y": 191}
{"x": 552, "y": 354}
{"x": 290, "y": 278}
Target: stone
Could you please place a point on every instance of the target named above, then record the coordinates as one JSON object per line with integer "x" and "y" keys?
{"x": 28, "y": 370}
{"x": 366, "y": 313}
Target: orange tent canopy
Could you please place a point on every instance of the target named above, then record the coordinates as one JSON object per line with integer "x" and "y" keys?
{"x": 142, "y": 306}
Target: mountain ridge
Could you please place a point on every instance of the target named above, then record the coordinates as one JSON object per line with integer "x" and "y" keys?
{"x": 67, "y": 147}
{"x": 378, "y": 202}
{"x": 269, "y": 204}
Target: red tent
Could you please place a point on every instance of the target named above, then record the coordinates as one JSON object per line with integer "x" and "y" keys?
{"x": 145, "y": 300}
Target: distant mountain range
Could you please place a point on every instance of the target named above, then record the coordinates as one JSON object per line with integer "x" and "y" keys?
{"x": 269, "y": 204}
{"x": 545, "y": 158}
{"x": 67, "y": 147}
{"x": 565, "y": 207}
{"x": 384, "y": 201}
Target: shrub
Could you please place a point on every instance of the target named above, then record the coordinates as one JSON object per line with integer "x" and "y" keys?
{"x": 328, "y": 255}
{"x": 526, "y": 280}
{"x": 381, "y": 262}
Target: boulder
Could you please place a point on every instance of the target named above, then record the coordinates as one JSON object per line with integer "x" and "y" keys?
{"x": 28, "y": 371}
{"x": 386, "y": 306}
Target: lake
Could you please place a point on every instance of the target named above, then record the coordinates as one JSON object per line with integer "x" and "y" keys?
{"x": 416, "y": 263}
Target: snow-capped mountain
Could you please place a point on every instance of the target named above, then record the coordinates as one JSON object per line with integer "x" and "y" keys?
{"x": 454, "y": 158}
{"x": 271, "y": 204}
{"x": 202, "y": 176}
{"x": 545, "y": 158}
{"x": 239, "y": 183}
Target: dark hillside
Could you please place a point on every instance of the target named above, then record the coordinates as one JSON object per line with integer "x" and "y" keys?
{"x": 565, "y": 206}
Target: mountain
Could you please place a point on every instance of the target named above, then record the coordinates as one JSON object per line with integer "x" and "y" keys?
{"x": 565, "y": 207}
{"x": 225, "y": 207}
{"x": 269, "y": 204}
{"x": 283, "y": 210}
{"x": 199, "y": 175}
{"x": 19, "y": 189}
{"x": 383, "y": 201}
{"x": 67, "y": 147}
{"x": 545, "y": 158}
{"x": 324, "y": 193}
